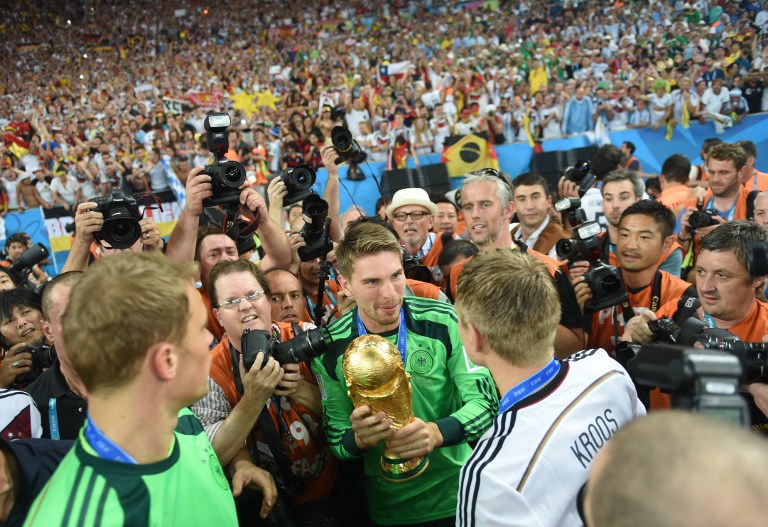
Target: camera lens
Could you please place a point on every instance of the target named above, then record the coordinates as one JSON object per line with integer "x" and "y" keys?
{"x": 121, "y": 230}
{"x": 232, "y": 175}
{"x": 610, "y": 283}
{"x": 302, "y": 178}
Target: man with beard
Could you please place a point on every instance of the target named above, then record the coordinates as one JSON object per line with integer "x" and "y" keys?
{"x": 726, "y": 197}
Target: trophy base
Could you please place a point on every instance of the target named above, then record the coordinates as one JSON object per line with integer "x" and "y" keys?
{"x": 398, "y": 470}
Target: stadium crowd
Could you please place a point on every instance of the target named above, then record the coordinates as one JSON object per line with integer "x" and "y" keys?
{"x": 459, "y": 359}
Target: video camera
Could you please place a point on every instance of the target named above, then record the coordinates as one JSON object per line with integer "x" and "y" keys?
{"x": 315, "y": 211}
{"x": 703, "y": 381}
{"x": 603, "y": 279}
{"x": 298, "y": 181}
{"x": 43, "y": 358}
{"x": 581, "y": 174}
{"x": 23, "y": 265}
{"x": 346, "y": 146}
{"x": 302, "y": 348}
{"x": 226, "y": 176}
{"x": 121, "y": 214}
{"x": 571, "y": 207}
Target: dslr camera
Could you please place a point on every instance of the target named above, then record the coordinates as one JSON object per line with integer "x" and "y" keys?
{"x": 302, "y": 348}
{"x": 23, "y": 265}
{"x": 121, "y": 214}
{"x": 701, "y": 218}
{"x": 315, "y": 211}
{"x": 705, "y": 381}
{"x": 43, "y": 358}
{"x": 226, "y": 176}
{"x": 346, "y": 146}
{"x": 571, "y": 208}
{"x": 581, "y": 174}
{"x": 603, "y": 279}
{"x": 298, "y": 181}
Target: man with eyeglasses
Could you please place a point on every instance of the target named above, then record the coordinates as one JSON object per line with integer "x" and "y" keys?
{"x": 412, "y": 214}
{"x": 288, "y": 437}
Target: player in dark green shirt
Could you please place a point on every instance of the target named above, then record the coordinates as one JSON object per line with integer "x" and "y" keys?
{"x": 453, "y": 400}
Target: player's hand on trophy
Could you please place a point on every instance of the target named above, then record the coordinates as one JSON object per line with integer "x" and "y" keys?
{"x": 415, "y": 439}
{"x": 369, "y": 428}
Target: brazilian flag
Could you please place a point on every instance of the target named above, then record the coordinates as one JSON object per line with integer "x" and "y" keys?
{"x": 464, "y": 153}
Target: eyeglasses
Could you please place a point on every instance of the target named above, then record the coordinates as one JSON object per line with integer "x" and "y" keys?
{"x": 235, "y": 302}
{"x": 415, "y": 215}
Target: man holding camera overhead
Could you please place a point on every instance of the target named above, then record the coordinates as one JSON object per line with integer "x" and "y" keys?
{"x": 644, "y": 235}
{"x": 287, "y": 438}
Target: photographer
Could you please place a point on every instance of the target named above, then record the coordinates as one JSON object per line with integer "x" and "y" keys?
{"x": 15, "y": 245}
{"x": 59, "y": 392}
{"x": 86, "y": 248}
{"x": 607, "y": 159}
{"x": 726, "y": 199}
{"x": 644, "y": 235}
{"x": 21, "y": 325}
{"x": 231, "y": 411}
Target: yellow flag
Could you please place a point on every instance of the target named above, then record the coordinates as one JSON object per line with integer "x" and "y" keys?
{"x": 527, "y": 125}
{"x": 686, "y": 119}
{"x": 670, "y": 128}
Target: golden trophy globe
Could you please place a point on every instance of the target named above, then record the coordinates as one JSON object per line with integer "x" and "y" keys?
{"x": 376, "y": 377}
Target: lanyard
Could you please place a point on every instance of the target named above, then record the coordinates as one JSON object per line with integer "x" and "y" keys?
{"x": 711, "y": 206}
{"x": 53, "y": 419}
{"x": 754, "y": 185}
{"x": 710, "y": 321}
{"x": 104, "y": 446}
{"x": 311, "y": 303}
{"x": 529, "y": 385}
{"x": 402, "y": 336}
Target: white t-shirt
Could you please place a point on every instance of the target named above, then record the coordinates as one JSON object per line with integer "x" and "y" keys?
{"x": 10, "y": 186}
{"x": 354, "y": 118}
{"x": 552, "y": 128}
{"x": 67, "y": 191}
{"x": 44, "y": 189}
{"x": 528, "y": 468}
{"x": 713, "y": 102}
{"x": 658, "y": 106}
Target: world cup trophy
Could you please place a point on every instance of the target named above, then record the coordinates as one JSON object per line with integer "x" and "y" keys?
{"x": 376, "y": 377}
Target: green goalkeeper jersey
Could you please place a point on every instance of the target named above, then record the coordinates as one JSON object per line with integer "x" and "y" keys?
{"x": 187, "y": 488}
{"x": 448, "y": 389}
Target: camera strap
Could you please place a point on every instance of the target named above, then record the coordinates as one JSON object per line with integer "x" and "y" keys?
{"x": 627, "y": 311}
{"x": 731, "y": 213}
{"x": 267, "y": 426}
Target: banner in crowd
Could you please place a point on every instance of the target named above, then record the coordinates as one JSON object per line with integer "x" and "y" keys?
{"x": 465, "y": 153}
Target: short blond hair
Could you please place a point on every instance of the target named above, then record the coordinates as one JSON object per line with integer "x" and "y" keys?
{"x": 364, "y": 239}
{"x": 122, "y": 306}
{"x": 511, "y": 299}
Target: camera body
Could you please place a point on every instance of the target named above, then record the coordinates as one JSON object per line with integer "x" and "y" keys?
{"x": 581, "y": 174}
{"x": 23, "y": 265}
{"x": 571, "y": 207}
{"x": 303, "y": 347}
{"x": 703, "y": 381}
{"x": 751, "y": 355}
{"x": 315, "y": 211}
{"x": 43, "y": 357}
{"x": 121, "y": 214}
{"x": 226, "y": 176}
{"x": 603, "y": 279}
{"x": 346, "y": 147}
{"x": 298, "y": 181}
{"x": 701, "y": 218}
